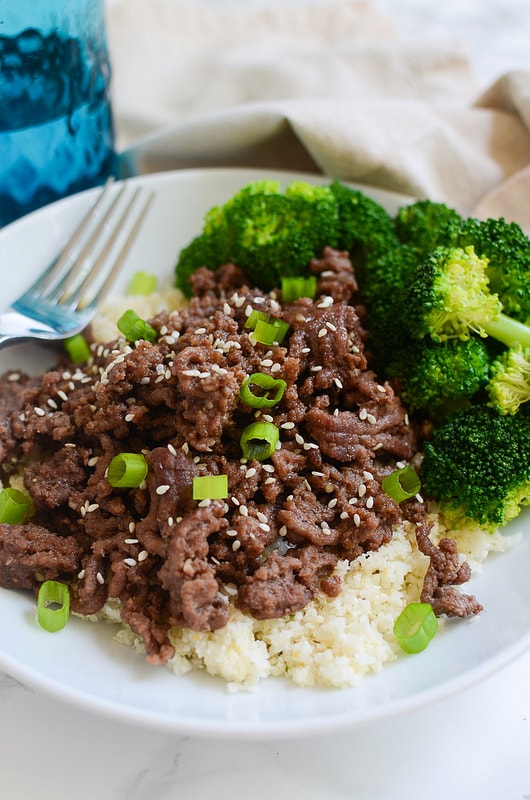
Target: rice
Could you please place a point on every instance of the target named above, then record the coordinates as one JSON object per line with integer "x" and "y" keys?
{"x": 332, "y": 642}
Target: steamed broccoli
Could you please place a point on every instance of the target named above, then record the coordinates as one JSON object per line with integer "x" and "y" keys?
{"x": 507, "y": 250}
{"x": 426, "y": 225}
{"x": 265, "y": 231}
{"x": 365, "y": 229}
{"x": 449, "y": 297}
{"x": 477, "y": 466}
{"x": 441, "y": 375}
{"x": 509, "y": 383}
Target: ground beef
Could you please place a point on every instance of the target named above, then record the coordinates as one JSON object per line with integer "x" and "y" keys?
{"x": 274, "y": 542}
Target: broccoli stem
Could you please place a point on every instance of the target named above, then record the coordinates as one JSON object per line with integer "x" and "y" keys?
{"x": 507, "y": 330}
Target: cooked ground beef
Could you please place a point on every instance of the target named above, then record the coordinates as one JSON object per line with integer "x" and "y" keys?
{"x": 274, "y": 542}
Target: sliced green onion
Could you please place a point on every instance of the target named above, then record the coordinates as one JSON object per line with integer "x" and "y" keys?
{"x": 254, "y": 317}
{"x": 77, "y": 348}
{"x": 210, "y": 487}
{"x": 15, "y": 506}
{"x": 294, "y": 287}
{"x": 401, "y": 484}
{"x": 258, "y": 441}
{"x": 134, "y": 327}
{"x": 127, "y": 470}
{"x": 415, "y": 627}
{"x": 53, "y": 605}
{"x": 270, "y": 332}
{"x": 274, "y": 389}
{"x": 142, "y": 283}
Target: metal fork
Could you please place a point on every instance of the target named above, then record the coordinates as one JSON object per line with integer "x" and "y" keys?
{"x": 67, "y": 295}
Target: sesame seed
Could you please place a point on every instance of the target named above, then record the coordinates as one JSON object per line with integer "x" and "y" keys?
{"x": 305, "y": 350}
{"x": 332, "y": 503}
{"x": 100, "y": 579}
{"x": 267, "y": 362}
{"x": 142, "y": 555}
{"x": 231, "y": 532}
{"x": 204, "y": 503}
{"x": 371, "y": 419}
{"x": 316, "y": 368}
{"x": 287, "y": 425}
{"x": 344, "y": 515}
{"x": 331, "y": 326}
{"x": 243, "y": 510}
{"x": 338, "y": 383}
{"x": 361, "y": 491}
{"x": 132, "y": 527}
{"x": 264, "y": 527}
{"x": 276, "y": 368}
{"x": 129, "y": 417}
{"x": 261, "y": 516}
{"x": 250, "y": 472}
{"x": 235, "y": 501}
{"x": 267, "y": 468}
{"x": 370, "y": 502}
{"x": 226, "y": 308}
{"x": 162, "y": 489}
{"x": 39, "y": 411}
{"x": 199, "y": 331}
{"x": 356, "y": 520}
{"x": 131, "y": 541}
{"x": 81, "y": 574}
{"x": 322, "y": 332}
{"x": 236, "y": 545}
{"x": 363, "y": 413}
{"x": 170, "y": 521}
{"x": 283, "y": 530}
{"x": 93, "y": 507}
{"x": 131, "y": 562}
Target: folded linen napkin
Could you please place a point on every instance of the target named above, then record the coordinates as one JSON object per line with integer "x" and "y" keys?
{"x": 322, "y": 87}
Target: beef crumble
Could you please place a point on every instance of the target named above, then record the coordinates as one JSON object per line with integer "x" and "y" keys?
{"x": 274, "y": 542}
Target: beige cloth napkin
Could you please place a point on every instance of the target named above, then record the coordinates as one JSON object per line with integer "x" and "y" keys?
{"x": 326, "y": 88}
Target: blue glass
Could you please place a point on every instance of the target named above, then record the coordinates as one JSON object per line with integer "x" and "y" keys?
{"x": 56, "y": 133}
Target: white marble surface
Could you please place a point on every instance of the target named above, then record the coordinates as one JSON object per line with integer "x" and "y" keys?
{"x": 473, "y": 745}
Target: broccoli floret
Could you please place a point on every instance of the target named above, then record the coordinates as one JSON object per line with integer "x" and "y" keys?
{"x": 441, "y": 375}
{"x": 509, "y": 384}
{"x": 477, "y": 466}
{"x": 426, "y": 225}
{"x": 365, "y": 229}
{"x": 449, "y": 295}
{"x": 507, "y": 250}
{"x": 265, "y": 231}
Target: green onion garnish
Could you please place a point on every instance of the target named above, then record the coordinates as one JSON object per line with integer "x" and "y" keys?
{"x": 274, "y": 389}
{"x": 15, "y": 506}
{"x": 415, "y": 627}
{"x": 142, "y": 283}
{"x": 210, "y": 487}
{"x": 134, "y": 327}
{"x": 258, "y": 441}
{"x": 254, "y": 317}
{"x": 53, "y": 605}
{"x": 127, "y": 470}
{"x": 272, "y": 332}
{"x": 294, "y": 287}
{"x": 77, "y": 348}
{"x": 401, "y": 484}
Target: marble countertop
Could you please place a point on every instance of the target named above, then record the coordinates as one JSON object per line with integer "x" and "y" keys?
{"x": 475, "y": 744}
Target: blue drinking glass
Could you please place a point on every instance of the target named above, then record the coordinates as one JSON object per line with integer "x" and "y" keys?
{"x": 56, "y": 132}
